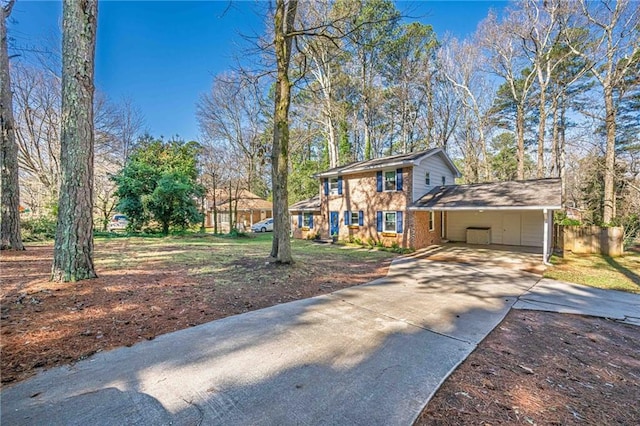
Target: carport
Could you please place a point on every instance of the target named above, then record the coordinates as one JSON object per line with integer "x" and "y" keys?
{"x": 514, "y": 213}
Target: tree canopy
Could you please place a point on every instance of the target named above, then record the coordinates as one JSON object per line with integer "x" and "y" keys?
{"x": 159, "y": 184}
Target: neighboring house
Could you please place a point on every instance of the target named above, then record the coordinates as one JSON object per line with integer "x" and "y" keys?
{"x": 249, "y": 208}
{"x": 412, "y": 200}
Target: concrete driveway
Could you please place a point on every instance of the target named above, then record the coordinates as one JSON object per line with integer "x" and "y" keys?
{"x": 369, "y": 355}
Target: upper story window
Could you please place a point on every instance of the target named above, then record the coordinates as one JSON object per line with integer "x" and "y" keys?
{"x": 333, "y": 185}
{"x": 444, "y": 180}
{"x": 390, "y": 180}
{"x": 427, "y": 178}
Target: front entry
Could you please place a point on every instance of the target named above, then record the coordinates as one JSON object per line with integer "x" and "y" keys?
{"x": 334, "y": 220}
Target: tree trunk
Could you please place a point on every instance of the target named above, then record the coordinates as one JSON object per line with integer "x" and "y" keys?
{"x": 10, "y": 218}
{"x": 541, "y": 132}
{"x": 332, "y": 142}
{"x": 215, "y": 205}
{"x": 73, "y": 249}
{"x": 520, "y": 137}
{"x": 610, "y": 153}
{"x": 555, "y": 157}
{"x": 283, "y": 22}
{"x": 563, "y": 155}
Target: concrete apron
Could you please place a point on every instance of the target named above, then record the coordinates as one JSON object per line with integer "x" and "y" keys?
{"x": 371, "y": 355}
{"x": 527, "y": 259}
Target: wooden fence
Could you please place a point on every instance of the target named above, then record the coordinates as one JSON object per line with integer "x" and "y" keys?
{"x": 590, "y": 239}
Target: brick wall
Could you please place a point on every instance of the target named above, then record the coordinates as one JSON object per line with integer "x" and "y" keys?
{"x": 319, "y": 225}
{"x": 424, "y": 237}
{"x": 359, "y": 194}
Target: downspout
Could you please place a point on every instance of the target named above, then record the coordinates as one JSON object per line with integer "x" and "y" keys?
{"x": 546, "y": 228}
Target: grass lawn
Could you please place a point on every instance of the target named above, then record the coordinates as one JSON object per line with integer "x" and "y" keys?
{"x": 148, "y": 286}
{"x": 613, "y": 273}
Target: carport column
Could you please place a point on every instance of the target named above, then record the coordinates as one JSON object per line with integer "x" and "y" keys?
{"x": 545, "y": 241}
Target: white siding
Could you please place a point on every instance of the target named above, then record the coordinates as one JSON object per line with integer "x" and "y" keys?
{"x": 459, "y": 221}
{"x": 531, "y": 228}
{"x": 437, "y": 168}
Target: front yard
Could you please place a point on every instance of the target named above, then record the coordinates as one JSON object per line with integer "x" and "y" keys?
{"x": 534, "y": 368}
{"x": 150, "y": 286}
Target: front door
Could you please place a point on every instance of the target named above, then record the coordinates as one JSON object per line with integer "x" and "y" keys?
{"x": 334, "y": 220}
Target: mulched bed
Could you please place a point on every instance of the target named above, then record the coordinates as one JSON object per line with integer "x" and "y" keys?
{"x": 545, "y": 369}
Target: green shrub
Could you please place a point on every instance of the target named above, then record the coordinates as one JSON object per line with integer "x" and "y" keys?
{"x": 560, "y": 218}
{"x": 38, "y": 229}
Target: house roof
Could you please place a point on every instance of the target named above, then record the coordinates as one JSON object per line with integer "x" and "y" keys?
{"x": 311, "y": 205}
{"x": 246, "y": 200}
{"x": 399, "y": 160}
{"x": 513, "y": 195}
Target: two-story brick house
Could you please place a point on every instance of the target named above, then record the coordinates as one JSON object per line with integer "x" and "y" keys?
{"x": 372, "y": 200}
{"x": 412, "y": 200}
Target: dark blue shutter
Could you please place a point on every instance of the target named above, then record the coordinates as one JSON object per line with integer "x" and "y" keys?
{"x": 360, "y": 218}
{"x": 346, "y": 217}
{"x": 339, "y": 185}
{"x": 399, "y": 180}
{"x": 379, "y": 181}
{"x": 399, "y": 222}
{"x": 311, "y": 221}
{"x": 379, "y": 221}
{"x": 326, "y": 186}
{"x": 299, "y": 220}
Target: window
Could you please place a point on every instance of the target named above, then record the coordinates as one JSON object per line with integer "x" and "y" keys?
{"x": 333, "y": 185}
{"x": 308, "y": 220}
{"x": 390, "y": 180}
{"x": 432, "y": 221}
{"x": 354, "y": 218}
{"x": 389, "y": 222}
{"x": 427, "y": 178}
{"x": 444, "y": 180}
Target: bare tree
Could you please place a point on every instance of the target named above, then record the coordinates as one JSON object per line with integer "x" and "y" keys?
{"x": 37, "y": 105}
{"x": 507, "y": 60}
{"x": 233, "y": 112}
{"x": 73, "y": 249}
{"x": 461, "y": 65}
{"x": 10, "y": 237}
{"x": 612, "y": 55}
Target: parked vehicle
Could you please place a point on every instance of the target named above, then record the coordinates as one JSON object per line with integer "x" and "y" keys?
{"x": 263, "y": 226}
{"x": 119, "y": 222}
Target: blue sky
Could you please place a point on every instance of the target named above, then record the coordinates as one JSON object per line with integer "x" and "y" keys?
{"x": 163, "y": 54}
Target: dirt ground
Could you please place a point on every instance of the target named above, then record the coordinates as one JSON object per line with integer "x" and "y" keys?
{"x": 45, "y": 324}
{"x": 545, "y": 369}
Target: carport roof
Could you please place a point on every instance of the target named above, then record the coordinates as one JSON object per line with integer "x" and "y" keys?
{"x": 533, "y": 194}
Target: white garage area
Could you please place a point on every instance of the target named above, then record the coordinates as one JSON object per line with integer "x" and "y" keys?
{"x": 513, "y": 213}
{"x": 514, "y": 228}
